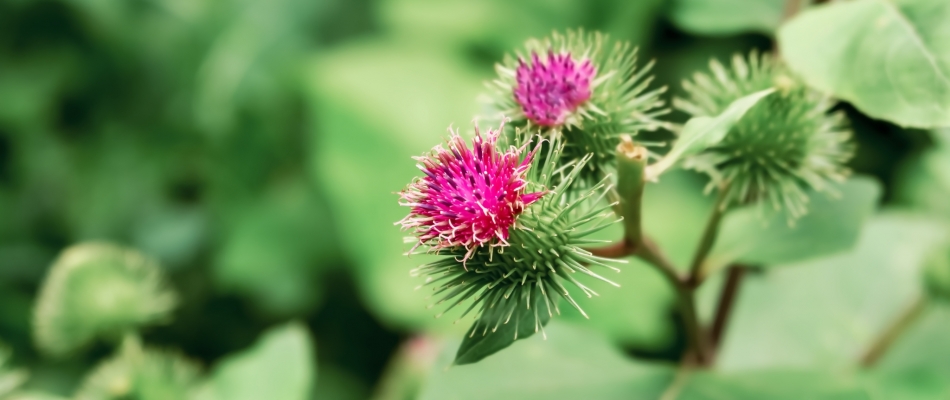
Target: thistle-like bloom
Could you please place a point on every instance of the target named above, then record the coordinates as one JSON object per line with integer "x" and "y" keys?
{"x": 515, "y": 281}
{"x": 550, "y": 90}
{"x": 785, "y": 144}
{"x": 582, "y": 88}
{"x": 469, "y": 198}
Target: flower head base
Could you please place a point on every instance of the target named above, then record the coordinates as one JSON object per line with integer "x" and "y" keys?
{"x": 469, "y": 198}
{"x": 551, "y": 89}
{"x": 783, "y": 145}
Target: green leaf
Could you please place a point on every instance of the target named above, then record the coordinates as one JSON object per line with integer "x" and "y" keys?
{"x": 98, "y": 290}
{"x": 773, "y": 384}
{"x": 572, "y": 363}
{"x": 825, "y": 312}
{"x": 889, "y": 58}
{"x": 487, "y": 336}
{"x": 143, "y": 374}
{"x": 727, "y": 17}
{"x": 700, "y": 133}
{"x": 10, "y": 379}
{"x": 915, "y": 367}
{"x": 832, "y": 225}
{"x": 925, "y": 182}
{"x": 275, "y": 248}
{"x": 280, "y": 366}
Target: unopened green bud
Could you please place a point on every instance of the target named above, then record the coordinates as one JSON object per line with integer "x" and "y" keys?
{"x": 787, "y": 143}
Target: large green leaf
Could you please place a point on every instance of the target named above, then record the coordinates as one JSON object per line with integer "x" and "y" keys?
{"x": 572, "y": 363}
{"x": 280, "y": 366}
{"x": 727, "y": 17}
{"x": 824, "y": 313}
{"x": 140, "y": 373}
{"x": 503, "y": 26}
{"x": 773, "y": 384}
{"x": 700, "y": 133}
{"x": 915, "y": 367}
{"x": 832, "y": 225}
{"x": 890, "y": 58}
{"x": 925, "y": 182}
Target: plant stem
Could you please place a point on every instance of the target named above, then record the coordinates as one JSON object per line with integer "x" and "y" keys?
{"x": 894, "y": 331}
{"x": 708, "y": 239}
{"x": 631, "y": 162}
{"x": 727, "y": 299}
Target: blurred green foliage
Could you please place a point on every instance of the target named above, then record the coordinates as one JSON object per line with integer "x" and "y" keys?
{"x": 252, "y": 148}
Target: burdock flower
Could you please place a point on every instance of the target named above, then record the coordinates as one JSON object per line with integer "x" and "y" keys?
{"x": 510, "y": 236}
{"x": 469, "y": 197}
{"x": 580, "y": 87}
{"x": 788, "y": 142}
{"x": 551, "y": 89}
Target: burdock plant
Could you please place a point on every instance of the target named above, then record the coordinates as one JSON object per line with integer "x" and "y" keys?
{"x": 509, "y": 217}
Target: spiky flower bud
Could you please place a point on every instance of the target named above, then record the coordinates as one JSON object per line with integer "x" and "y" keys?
{"x": 582, "y": 87}
{"x": 518, "y": 277}
{"x": 469, "y": 197}
{"x": 550, "y": 90}
{"x": 786, "y": 143}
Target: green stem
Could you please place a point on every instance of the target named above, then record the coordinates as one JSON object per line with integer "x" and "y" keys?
{"x": 631, "y": 162}
{"x": 631, "y": 166}
{"x": 894, "y": 331}
{"x": 710, "y": 232}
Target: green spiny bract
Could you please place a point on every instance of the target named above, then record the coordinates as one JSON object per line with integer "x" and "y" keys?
{"x": 543, "y": 253}
{"x": 96, "y": 290}
{"x": 786, "y": 143}
{"x": 592, "y": 110}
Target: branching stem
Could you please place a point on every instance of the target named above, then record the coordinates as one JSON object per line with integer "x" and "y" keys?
{"x": 710, "y": 232}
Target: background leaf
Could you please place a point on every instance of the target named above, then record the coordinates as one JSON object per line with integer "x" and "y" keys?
{"x": 727, "y": 17}
{"x": 775, "y": 384}
{"x": 889, "y": 58}
{"x": 280, "y": 366}
{"x": 832, "y": 225}
{"x": 572, "y": 363}
{"x": 825, "y": 312}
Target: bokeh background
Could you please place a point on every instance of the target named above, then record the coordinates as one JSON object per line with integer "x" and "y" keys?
{"x": 254, "y": 148}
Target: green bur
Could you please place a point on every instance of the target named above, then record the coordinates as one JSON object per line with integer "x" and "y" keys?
{"x": 785, "y": 144}
{"x": 516, "y": 288}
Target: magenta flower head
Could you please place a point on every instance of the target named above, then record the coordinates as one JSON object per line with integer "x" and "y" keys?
{"x": 583, "y": 88}
{"x": 549, "y": 90}
{"x": 468, "y": 197}
{"x": 508, "y": 236}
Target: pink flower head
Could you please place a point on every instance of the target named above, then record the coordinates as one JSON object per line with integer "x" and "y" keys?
{"x": 469, "y": 197}
{"x": 549, "y": 90}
